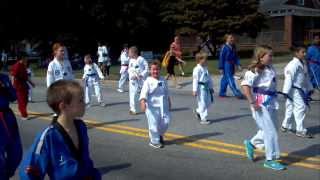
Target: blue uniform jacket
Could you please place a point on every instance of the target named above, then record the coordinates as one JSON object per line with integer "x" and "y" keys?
{"x": 313, "y": 59}
{"x": 10, "y": 143}
{"x": 228, "y": 59}
{"x": 54, "y": 153}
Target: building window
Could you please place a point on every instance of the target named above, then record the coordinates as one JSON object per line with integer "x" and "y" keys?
{"x": 300, "y": 2}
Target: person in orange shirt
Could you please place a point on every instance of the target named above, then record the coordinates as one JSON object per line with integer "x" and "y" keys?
{"x": 176, "y": 47}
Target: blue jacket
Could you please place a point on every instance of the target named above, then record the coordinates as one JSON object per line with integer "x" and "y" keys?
{"x": 228, "y": 58}
{"x": 10, "y": 143}
{"x": 313, "y": 55}
{"x": 54, "y": 153}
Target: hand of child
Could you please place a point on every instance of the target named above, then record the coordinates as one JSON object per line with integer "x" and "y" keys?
{"x": 256, "y": 107}
{"x": 143, "y": 105}
{"x": 194, "y": 93}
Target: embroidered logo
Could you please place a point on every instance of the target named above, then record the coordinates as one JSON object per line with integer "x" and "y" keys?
{"x": 57, "y": 72}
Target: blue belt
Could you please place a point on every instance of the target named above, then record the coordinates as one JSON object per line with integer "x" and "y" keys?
{"x": 306, "y": 96}
{"x": 265, "y": 92}
{"x": 94, "y": 74}
{"x": 208, "y": 89}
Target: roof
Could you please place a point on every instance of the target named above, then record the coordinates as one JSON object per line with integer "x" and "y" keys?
{"x": 281, "y": 8}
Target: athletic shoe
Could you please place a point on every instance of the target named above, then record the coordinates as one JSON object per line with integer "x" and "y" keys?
{"x": 284, "y": 130}
{"x": 120, "y": 90}
{"x": 249, "y": 149}
{"x": 102, "y": 104}
{"x": 157, "y": 146}
{"x": 88, "y": 105}
{"x": 24, "y": 118}
{"x": 304, "y": 134}
{"x": 196, "y": 114}
{"x": 161, "y": 140}
{"x": 182, "y": 74}
{"x": 132, "y": 113}
{"x": 205, "y": 122}
{"x": 275, "y": 165}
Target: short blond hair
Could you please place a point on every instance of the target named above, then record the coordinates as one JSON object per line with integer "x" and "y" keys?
{"x": 201, "y": 56}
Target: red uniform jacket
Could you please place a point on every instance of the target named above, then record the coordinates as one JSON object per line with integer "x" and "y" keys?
{"x": 19, "y": 72}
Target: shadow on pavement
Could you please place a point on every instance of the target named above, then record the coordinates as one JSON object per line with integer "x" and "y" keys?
{"x": 183, "y": 84}
{"x": 193, "y": 138}
{"x": 301, "y": 155}
{"x": 314, "y": 130}
{"x": 180, "y": 109}
{"x": 229, "y": 118}
{"x": 93, "y": 125}
{"x": 117, "y": 103}
{"x": 107, "y": 169}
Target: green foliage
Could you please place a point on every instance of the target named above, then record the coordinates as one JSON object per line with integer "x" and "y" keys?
{"x": 213, "y": 17}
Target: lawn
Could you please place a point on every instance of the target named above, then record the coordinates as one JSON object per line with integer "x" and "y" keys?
{"x": 212, "y": 64}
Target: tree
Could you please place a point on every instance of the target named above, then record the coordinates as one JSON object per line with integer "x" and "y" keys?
{"x": 214, "y": 18}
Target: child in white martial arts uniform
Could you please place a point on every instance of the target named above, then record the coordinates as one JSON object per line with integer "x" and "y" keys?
{"x": 91, "y": 77}
{"x": 259, "y": 86}
{"x": 155, "y": 102}
{"x": 59, "y": 68}
{"x": 138, "y": 71}
{"x": 298, "y": 87}
{"x": 124, "y": 58}
{"x": 202, "y": 87}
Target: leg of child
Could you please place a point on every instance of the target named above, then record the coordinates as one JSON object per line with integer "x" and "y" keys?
{"x": 154, "y": 134}
{"x": 87, "y": 93}
{"x": 97, "y": 90}
{"x": 202, "y": 108}
{"x": 267, "y": 118}
{"x": 133, "y": 88}
{"x": 287, "y": 121}
{"x": 22, "y": 98}
{"x": 299, "y": 111}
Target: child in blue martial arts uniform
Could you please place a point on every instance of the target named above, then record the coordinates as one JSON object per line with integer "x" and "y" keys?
{"x": 10, "y": 143}
{"x": 61, "y": 150}
{"x": 155, "y": 102}
{"x": 228, "y": 60}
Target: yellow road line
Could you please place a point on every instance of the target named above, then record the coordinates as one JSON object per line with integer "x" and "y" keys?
{"x": 213, "y": 142}
{"x": 132, "y": 131}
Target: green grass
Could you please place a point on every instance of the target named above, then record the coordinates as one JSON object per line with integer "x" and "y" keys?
{"x": 212, "y": 66}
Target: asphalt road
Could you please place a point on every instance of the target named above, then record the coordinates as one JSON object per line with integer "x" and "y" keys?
{"x": 119, "y": 141}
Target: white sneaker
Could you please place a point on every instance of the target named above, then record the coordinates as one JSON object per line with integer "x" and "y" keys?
{"x": 102, "y": 104}
{"x": 24, "y": 118}
{"x": 205, "y": 122}
{"x": 88, "y": 106}
{"x": 120, "y": 90}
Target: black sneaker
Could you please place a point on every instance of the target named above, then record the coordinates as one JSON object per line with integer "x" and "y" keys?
{"x": 161, "y": 140}
{"x": 196, "y": 114}
{"x": 157, "y": 146}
